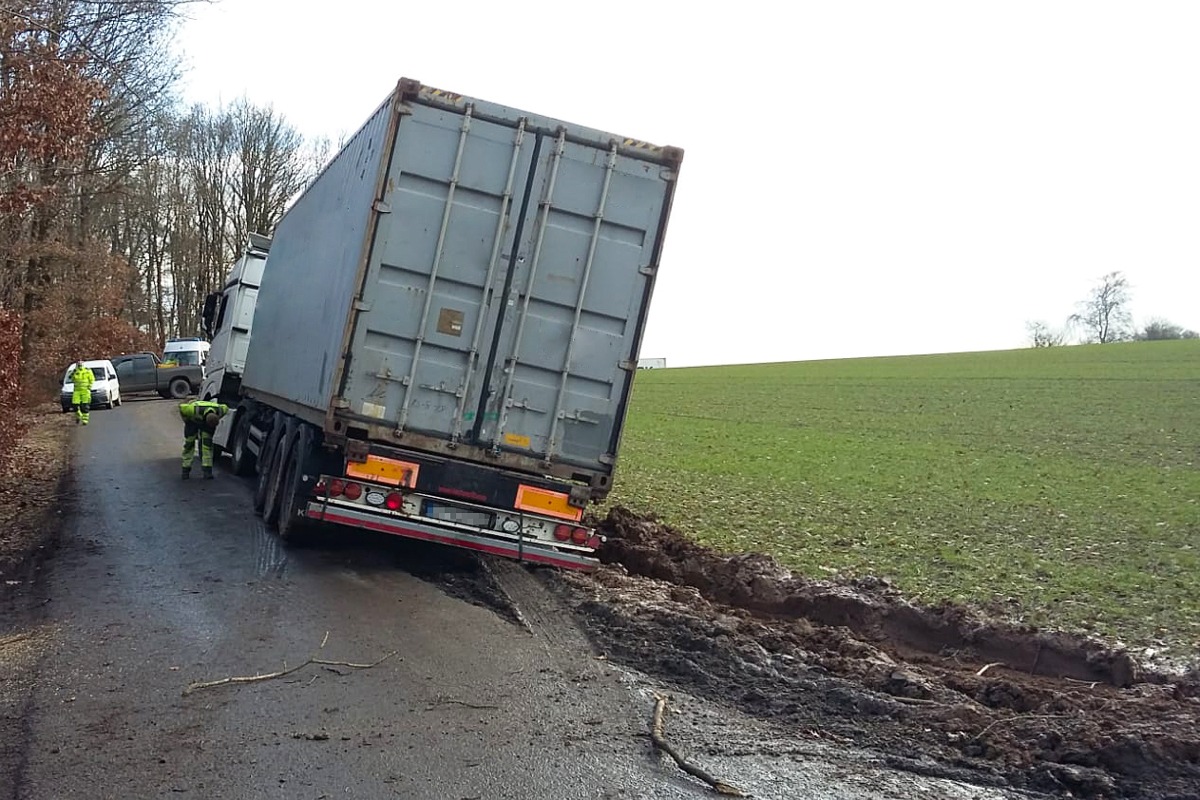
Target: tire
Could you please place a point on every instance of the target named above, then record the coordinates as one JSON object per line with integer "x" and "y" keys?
{"x": 291, "y": 526}
{"x": 179, "y": 388}
{"x": 279, "y": 467}
{"x": 239, "y": 451}
{"x": 264, "y": 462}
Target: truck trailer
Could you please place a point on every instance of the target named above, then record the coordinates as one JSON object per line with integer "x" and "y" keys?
{"x": 447, "y": 329}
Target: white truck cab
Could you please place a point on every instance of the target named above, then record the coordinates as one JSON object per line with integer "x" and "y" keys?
{"x": 228, "y": 318}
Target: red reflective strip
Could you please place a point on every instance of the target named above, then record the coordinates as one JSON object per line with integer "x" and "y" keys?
{"x": 383, "y": 527}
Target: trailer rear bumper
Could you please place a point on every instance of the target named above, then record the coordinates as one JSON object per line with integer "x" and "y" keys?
{"x": 524, "y": 550}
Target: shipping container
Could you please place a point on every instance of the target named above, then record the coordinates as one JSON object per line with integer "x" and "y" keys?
{"x": 470, "y": 282}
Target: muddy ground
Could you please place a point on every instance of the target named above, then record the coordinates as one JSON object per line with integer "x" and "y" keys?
{"x": 939, "y": 690}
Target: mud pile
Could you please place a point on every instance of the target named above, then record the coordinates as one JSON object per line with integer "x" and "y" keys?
{"x": 939, "y": 690}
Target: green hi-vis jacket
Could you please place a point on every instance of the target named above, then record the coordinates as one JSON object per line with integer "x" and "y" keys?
{"x": 82, "y": 378}
{"x": 196, "y": 410}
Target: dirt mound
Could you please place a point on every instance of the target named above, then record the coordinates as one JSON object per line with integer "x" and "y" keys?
{"x": 938, "y": 690}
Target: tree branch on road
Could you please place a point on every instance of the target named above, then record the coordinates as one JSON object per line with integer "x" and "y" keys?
{"x": 283, "y": 672}
{"x": 661, "y": 744}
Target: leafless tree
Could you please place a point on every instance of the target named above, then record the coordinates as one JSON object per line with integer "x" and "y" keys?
{"x": 242, "y": 166}
{"x": 1042, "y": 335}
{"x": 1104, "y": 317}
{"x": 272, "y": 168}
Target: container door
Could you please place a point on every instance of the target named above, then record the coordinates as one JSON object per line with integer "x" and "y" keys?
{"x": 436, "y": 272}
{"x": 578, "y": 293}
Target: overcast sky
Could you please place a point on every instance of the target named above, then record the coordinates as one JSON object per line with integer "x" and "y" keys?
{"x": 860, "y": 178}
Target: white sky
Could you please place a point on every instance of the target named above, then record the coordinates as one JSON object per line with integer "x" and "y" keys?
{"x": 860, "y": 178}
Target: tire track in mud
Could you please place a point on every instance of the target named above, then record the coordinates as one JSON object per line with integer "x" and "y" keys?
{"x": 939, "y": 690}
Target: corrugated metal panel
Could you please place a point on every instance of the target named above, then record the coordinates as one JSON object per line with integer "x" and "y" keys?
{"x": 492, "y": 306}
{"x": 311, "y": 280}
{"x": 506, "y": 287}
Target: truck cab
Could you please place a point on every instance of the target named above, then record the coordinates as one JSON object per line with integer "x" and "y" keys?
{"x": 228, "y": 317}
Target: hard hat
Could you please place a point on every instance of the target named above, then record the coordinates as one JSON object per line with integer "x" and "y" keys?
{"x": 210, "y": 420}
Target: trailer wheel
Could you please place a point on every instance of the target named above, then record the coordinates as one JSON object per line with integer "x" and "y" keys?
{"x": 264, "y": 462}
{"x": 239, "y": 451}
{"x": 279, "y": 465}
{"x": 291, "y": 493}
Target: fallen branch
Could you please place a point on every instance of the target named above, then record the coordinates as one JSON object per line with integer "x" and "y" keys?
{"x": 986, "y": 667}
{"x": 661, "y": 744}
{"x": 20, "y": 637}
{"x": 283, "y": 672}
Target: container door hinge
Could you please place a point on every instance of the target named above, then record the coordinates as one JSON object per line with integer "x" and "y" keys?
{"x": 649, "y": 269}
{"x": 628, "y": 366}
{"x": 357, "y": 451}
{"x": 579, "y": 496}
{"x": 382, "y": 207}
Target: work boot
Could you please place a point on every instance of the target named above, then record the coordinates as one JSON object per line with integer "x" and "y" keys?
{"x": 207, "y": 473}
{"x": 85, "y": 422}
{"x": 187, "y": 473}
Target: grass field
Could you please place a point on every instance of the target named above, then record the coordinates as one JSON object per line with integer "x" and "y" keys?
{"x": 1061, "y": 486}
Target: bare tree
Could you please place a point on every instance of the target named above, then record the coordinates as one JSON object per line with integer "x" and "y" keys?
{"x": 1103, "y": 316}
{"x": 241, "y": 167}
{"x": 273, "y": 169}
{"x": 1042, "y": 335}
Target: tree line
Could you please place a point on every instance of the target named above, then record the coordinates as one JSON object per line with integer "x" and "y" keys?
{"x": 1103, "y": 317}
{"x": 120, "y": 208}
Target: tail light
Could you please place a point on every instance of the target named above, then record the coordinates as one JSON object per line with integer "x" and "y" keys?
{"x": 594, "y": 542}
{"x": 336, "y": 487}
{"x": 394, "y": 501}
{"x": 352, "y": 491}
{"x": 562, "y": 532}
{"x": 579, "y": 536}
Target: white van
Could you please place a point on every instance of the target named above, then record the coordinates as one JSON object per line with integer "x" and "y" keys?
{"x": 106, "y": 389}
{"x": 187, "y": 352}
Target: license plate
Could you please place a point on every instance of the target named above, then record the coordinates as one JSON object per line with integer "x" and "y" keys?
{"x": 477, "y": 519}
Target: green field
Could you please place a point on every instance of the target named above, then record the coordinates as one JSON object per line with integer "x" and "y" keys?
{"x": 1061, "y": 486}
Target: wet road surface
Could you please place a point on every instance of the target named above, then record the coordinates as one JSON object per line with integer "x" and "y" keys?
{"x": 160, "y": 583}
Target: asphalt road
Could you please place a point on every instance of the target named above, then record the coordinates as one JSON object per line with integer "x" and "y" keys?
{"x": 160, "y": 583}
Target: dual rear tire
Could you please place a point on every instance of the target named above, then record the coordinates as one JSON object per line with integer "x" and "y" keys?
{"x": 279, "y": 495}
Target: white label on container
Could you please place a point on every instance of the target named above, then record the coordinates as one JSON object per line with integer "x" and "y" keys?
{"x": 373, "y": 410}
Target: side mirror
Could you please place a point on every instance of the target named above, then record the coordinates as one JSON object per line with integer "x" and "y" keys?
{"x": 210, "y": 311}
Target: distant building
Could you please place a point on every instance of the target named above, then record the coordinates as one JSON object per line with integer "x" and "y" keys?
{"x": 652, "y": 363}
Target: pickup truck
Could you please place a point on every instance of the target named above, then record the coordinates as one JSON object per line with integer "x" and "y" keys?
{"x": 145, "y": 372}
